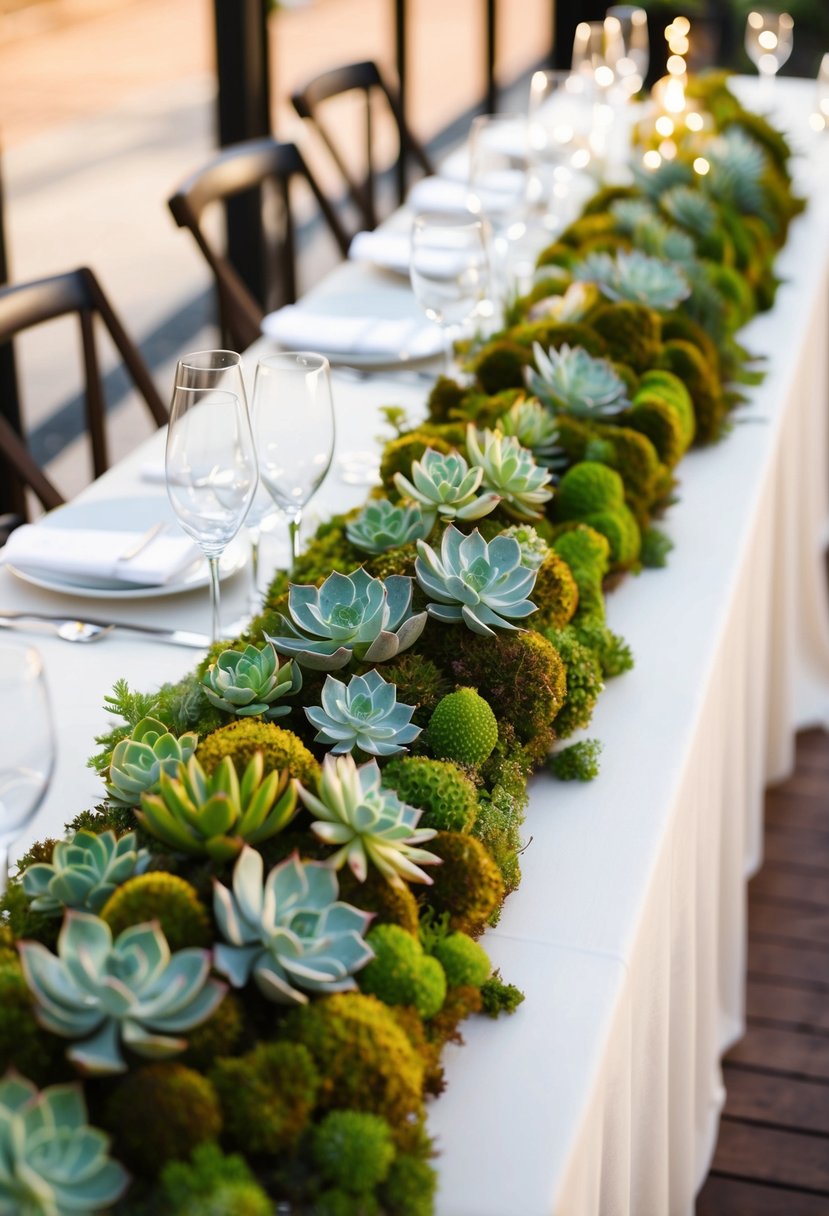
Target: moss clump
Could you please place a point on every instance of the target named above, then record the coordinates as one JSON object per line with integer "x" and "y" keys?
{"x": 445, "y": 795}
{"x": 468, "y": 885}
{"x": 401, "y": 974}
{"x": 680, "y": 327}
{"x": 587, "y": 488}
{"x": 501, "y": 814}
{"x": 267, "y": 1096}
{"x": 337, "y": 1202}
{"x": 23, "y": 1045}
{"x": 668, "y": 386}
{"x": 216, "y": 1037}
{"x": 211, "y": 1184}
{"x": 688, "y": 363}
{"x": 419, "y": 681}
{"x": 555, "y": 593}
{"x": 399, "y": 454}
{"x": 160, "y": 1113}
{"x": 659, "y": 420}
{"x": 389, "y": 905}
{"x": 280, "y": 748}
{"x": 500, "y": 365}
{"x": 352, "y": 1150}
{"x": 554, "y": 334}
{"x": 463, "y": 728}
{"x": 584, "y": 682}
{"x": 621, "y": 531}
{"x": 578, "y": 762}
{"x": 634, "y": 458}
{"x": 366, "y": 1062}
{"x": 393, "y": 561}
{"x": 587, "y": 553}
{"x": 163, "y": 897}
{"x": 409, "y": 1189}
{"x": 587, "y": 227}
{"x": 444, "y": 399}
{"x": 610, "y": 649}
{"x": 498, "y": 997}
{"x": 632, "y": 332}
{"x": 655, "y": 548}
{"x": 464, "y": 961}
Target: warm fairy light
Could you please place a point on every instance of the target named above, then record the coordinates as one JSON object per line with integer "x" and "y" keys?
{"x": 674, "y": 95}
{"x": 701, "y": 166}
{"x": 817, "y": 122}
{"x": 676, "y": 65}
{"x": 652, "y": 160}
{"x": 664, "y": 125}
{"x": 694, "y": 121}
{"x": 667, "y": 149}
{"x": 604, "y": 76}
{"x": 755, "y": 20}
{"x": 682, "y": 26}
{"x": 678, "y": 46}
{"x": 580, "y": 159}
{"x": 767, "y": 40}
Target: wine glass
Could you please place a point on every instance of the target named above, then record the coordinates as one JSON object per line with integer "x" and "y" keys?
{"x": 598, "y": 48}
{"x": 210, "y": 460}
{"x": 768, "y": 45}
{"x": 823, "y": 89}
{"x": 559, "y": 111}
{"x": 632, "y": 67}
{"x": 448, "y": 271}
{"x": 27, "y": 756}
{"x": 293, "y": 426}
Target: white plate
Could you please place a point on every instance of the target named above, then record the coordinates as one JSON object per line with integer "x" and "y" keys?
{"x": 126, "y": 515}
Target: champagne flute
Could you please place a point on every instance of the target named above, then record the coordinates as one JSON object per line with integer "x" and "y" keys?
{"x": 448, "y": 271}
{"x": 768, "y": 44}
{"x": 27, "y": 756}
{"x": 210, "y": 463}
{"x": 632, "y": 67}
{"x": 293, "y": 426}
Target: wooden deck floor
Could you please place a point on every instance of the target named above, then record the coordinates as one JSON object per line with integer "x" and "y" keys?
{"x": 772, "y": 1155}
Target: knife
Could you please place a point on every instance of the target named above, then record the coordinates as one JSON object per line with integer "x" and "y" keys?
{"x": 176, "y": 637}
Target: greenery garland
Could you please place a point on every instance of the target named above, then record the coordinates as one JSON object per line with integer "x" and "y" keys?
{"x": 255, "y": 949}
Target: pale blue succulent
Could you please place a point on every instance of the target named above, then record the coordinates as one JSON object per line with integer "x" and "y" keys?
{"x": 637, "y": 277}
{"x": 690, "y": 208}
{"x": 655, "y": 182}
{"x": 568, "y": 380}
{"x": 369, "y": 823}
{"x": 83, "y": 872}
{"x": 534, "y": 549}
{"x": 383, "y": 525}
{"x": 363, "y": 714}
{"x": 349, "y": 615}
{"x": 138, "y": 762}
{"x": 629, "y": 213}
{"x": 251, "y": 681}
{"x": 482, "y": 585}
{"x": 534, "y": 428}
{"x": 446, "y": 487}
{"x": 666, "y": 242}
{"x": 737, "y": 164}
{"x": 52, "y": 1163}
{"x": 288, "y": 931}
{"x": 510, "y": 471}
{"x": 131, "y": 991}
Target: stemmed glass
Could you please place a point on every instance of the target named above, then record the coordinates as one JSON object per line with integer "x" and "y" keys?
{"x": 210, "y": 457}
{"x": 559, "y": 112}
{"x": 632, "y": 67}
{"x": 598, "y": 50}
{"x": 27, "y": 744}
{"x": 448, "y": 271}
{"x": 768, "y": 45}
{"x": 293, "y": 426}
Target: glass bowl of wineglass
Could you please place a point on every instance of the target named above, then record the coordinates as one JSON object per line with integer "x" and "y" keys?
{"x": 768, "y": 44}
{"x": 449, "y": 271}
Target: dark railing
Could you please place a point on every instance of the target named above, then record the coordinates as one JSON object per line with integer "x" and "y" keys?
{"x": 11, "y": 488}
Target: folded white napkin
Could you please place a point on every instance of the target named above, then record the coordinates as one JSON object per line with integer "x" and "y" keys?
{"x": 393, "y": 251}
{"x": 439, "y": 194}
{"x": 296, "y": 327}
{"x": 79, "y": 553}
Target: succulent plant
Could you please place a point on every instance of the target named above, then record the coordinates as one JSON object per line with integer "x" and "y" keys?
{"x": 445, "y": 486}
{"x": 138, "y": 762}
{"x": 83, "y": 872}
{"x": 480, "y": 584}
{"x": 629, "y": 213}
{"x": 655, "y": 182}
{"x": 216, "y": 815}
{"x": 534, "y": 428}
{"x": 510, "y": 470}
{"x": 573, "y": 305}
{"x": 349, "y": 615}
{"x": 363, "y": 714}
{"x": 635, "y": 276}
{"x": 52, "y": 1163}
{"x": 666, "y": 242}
{"x": 690, "y": 208}
{"x": 248, "y": 682}
{"x": 288, "y": 931}
{"x": 368, "y": 822}
{"x": 131, "y": 990}
{"x": 382, "y": 525}
{"x": 571, "y": 381}
{"x": 737, "y": 165}
{"x": 534, "y": 548}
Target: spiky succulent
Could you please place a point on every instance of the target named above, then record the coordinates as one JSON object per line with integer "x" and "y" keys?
{"x": 737, "y": 165}
{"x": 130, "y": 991}
{"x": 83, "y": 872}
{"x": 349, "y": 615}
{"x": 369, "y": 823}
{"x": 214, "y": 816}
{"x": 510, "y": 471}
{"x": 445, "y": 486}
{"x": 568, "y": 380}
{"x": 534, "y": 428}
{"x": 249, "y": 682}
{"x": 138, "y": 762}
{"x": 52, "y": 1163}
{"x": 666, "y": 242}
{"x": 365, "y": 714}
{"x": 288, "y": 931}
{"x": 629, "y": 213}
{"x": 482, "y": 585}
{"x": 637, "y": 277}
{"x": 670, "y": 173}
{"x": 382, "y": 525}
{"x": 533, "y": 547}
{"x": 690, "y": 208}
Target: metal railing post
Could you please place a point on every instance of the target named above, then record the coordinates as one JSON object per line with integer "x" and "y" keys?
{"x": 12, "y": 498}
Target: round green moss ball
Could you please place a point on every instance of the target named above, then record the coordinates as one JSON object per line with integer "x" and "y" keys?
{"x": 352, "y": 1150}
{"x": 445, "y": 795}
{"x": 463, "y": 728}
{"x": 23, "y": 1045}
{"x": 668, "y": 386}
{"x": 622, "y": 533}
{"x": 661, "y": 422}
{"x": 586, "y": 488}
{"x": 400, "y": 973}
{"x": 389, "y": 905}
{"x": 464, "y": 961}
{"x": 400, "y": 454}
{"x": 216, "y": 1037}
{"x": 336, "y": 1202}
{"x": 212, "y": 1184}
{"x": 632, "y": 332}
{"x": 410, "y": 1187}
{"x": 281, "y": 749}
{"x": 267, "y": 1096}
{"x": 468, "y": 885}
{"x": 160, "y": 1113}
{"x": 586, "y": 552}
{"x": 163, "y": 897}
{"x": 555, "y": 593}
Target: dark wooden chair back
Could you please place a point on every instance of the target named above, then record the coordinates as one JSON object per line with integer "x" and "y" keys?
{"x": 366, "y": 78}
{"x": 242, "y": 168}
{"x": 25, "y": 305}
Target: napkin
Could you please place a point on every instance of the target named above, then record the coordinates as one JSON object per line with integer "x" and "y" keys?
{"x": 455, "y": 197}
{"x": 392, "y": 250}
{"x": 79, "y": 553}
{"x": 296, "y": 327}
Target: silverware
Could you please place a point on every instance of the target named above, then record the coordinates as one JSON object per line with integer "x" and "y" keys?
{"x": 406, "y": 375}
{"x": 142, "y": 543}
{"x": 71, "y": 629}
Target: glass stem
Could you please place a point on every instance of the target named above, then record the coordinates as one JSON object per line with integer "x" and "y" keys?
{"x": 215, "y": 631}
{"x": 294, "y": 522}
{"x": 449, "y": 351}
{"x": 4, "y": 869}
{"x": 255, "y": 535}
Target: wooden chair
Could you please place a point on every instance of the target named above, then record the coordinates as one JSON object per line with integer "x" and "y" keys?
{"x": 238, "y": 169}
{"x": 25, "y": 305}
{"x": 366, "y": 78}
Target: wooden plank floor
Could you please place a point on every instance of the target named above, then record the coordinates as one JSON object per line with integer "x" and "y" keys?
{"x": 772, "y": 1156}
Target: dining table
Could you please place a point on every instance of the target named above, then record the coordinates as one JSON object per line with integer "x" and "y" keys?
{"x": 601, "y": 1094}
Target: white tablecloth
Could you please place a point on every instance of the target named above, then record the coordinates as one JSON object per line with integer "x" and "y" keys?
{"x": 601, "y": 1095}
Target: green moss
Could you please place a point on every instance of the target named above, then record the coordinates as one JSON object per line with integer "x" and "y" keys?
{"x": 605, "y": 196}
{"x": 655, "y": 548}
{"x": 211, "y": 1184}
{"x": 352, "y": 1150}
{"x": 587, "y": 488}
{"x": 578, "y": 762}
{"x": 555, "y": 593}
{"x": 420, "y": 682}
{"x": 501, "y": 814}
{"x": 336, "y": 1202}
{"x": 23, "y": 1045}
{"x": 634, "y": 458}
{"x": 409, "y": 1189}
{"x": 499, "y": 997}
{"x": 281, "y": 749}
{"x": 468, "y": 885}
{"x": 587, "y": 553}
{"x": 500, "y": 365}
{"x": 558, "y": 254}
{"x": 446, "y": 397}
{"x": 621, "y": 531}
{"x": 687, "y": 362}
{"x": 584, "y": 682}
{"x": 401, "y": 974}
{"x": 16, "y": 912}
{"x": 389, "y": 905}
{"x": 160, "y": 1113}
{"x": 610, "y": 649}
{"x": 680, "y": 327}
{"x": 558, "y": 333}
{"x": 463, "y": 960}
{"x": 163, "y": 897}
{"x": 216, "y": 1037}
{"x": 393, "y": 561}
{"x": 463, "y": 728}
{"x": 587, "y": 227}
{"x": 668, "y": 386}
{"x": 632, "y": 333}
{"x": 662, "y": 424}
{"x": 267, "y": 1096}
{"x": 445, "y": 795}
{"x": 400, "y": 454}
